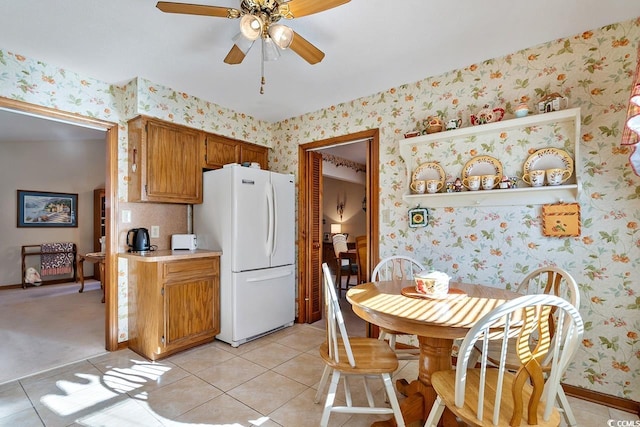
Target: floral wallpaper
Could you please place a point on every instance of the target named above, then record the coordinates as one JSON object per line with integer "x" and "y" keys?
{"x": 341, "y": 162}
{"x": 495, "y": 246}
{"x": 498, "y": 246}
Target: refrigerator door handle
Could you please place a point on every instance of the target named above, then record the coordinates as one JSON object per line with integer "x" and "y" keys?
{"x": 274, "y": 197}
{"x": 270, "y": 277}
{"x": 270, "y": 220}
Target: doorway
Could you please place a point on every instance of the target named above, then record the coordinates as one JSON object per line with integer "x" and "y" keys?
{"x": 111, "y": 202}
{"x": 310, "y": 236}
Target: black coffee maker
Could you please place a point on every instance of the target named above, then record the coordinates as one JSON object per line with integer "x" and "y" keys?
{"x": 138, "y": 240}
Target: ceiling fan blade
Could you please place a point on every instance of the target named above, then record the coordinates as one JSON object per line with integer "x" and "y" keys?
{"x": 198, "y": 9}
{"x": 235, "y": 56}
{"x": 298, "y": 8}
{"x": 305, "y": 49}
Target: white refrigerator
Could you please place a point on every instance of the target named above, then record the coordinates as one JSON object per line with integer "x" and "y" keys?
{"x": 249, "y": 214}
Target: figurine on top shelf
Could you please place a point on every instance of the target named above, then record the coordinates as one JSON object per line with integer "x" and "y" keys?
{"x": 552, "y": 102}
{"x": 433, "y": 124}
{"x": 487, "y": 115}
{"x": 522, "y": 110}
{"x": 505, "y": 182}
{"x": 454, "y": 124}
{"x": 457, "y": 185}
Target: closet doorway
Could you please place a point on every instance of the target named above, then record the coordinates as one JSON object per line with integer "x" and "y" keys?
{"x": 310, "y": 216}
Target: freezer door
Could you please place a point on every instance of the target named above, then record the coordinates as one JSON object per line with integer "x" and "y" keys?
{"x": 250, "y": 219}
{"x": 264, "y": 300}
{"x": 283, "y": 244}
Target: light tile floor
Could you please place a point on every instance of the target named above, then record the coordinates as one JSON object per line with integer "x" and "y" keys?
{"x": 268, "y": 382}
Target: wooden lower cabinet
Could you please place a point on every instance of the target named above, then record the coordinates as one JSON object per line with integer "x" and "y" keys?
{"x": 173, "y": 305}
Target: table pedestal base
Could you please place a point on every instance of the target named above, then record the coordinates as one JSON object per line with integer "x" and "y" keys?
{"x": 435, "y": 355}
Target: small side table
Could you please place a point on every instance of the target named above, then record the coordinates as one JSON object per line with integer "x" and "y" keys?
{"x": 95, "y": 257}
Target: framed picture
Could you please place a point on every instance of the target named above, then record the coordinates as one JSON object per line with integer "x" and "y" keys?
{"x": 45, "y": 209}
{"x": 418, "y": 217}
{"x": 327, "y": 237}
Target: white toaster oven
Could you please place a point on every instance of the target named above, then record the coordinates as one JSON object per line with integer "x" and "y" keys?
{"x": 185, "y": 242}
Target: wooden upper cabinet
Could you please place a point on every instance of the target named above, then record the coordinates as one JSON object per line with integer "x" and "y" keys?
{"x": 220, "y": 150}
{"x": 164, "y": 162}
{"x": 254, "y": 153}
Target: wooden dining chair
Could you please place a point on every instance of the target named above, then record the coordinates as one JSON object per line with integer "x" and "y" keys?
{"x": 397, "y": 267}
{"x": 346, "y": 263}
{"x": 495, "y": 395}
{"x": 347, "y": 357}
{"x": 544, "y": 280}
{"x": 361, "y": 256}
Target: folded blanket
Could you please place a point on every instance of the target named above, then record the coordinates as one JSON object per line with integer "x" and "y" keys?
{"x": 56, "y": 258}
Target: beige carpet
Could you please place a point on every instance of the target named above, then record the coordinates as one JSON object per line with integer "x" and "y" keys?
{"x": 49, "y": 326}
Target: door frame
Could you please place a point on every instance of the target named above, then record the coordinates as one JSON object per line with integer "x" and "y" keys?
{"x": 111, "y": 202}
{"x": 371, "y": 194}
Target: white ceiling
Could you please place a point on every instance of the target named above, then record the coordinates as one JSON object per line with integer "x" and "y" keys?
{"x": 19, "y": 127}
{"x": 370, "y": 45}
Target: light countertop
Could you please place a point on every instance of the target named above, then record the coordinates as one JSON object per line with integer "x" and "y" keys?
{"x": 168, "y": 255}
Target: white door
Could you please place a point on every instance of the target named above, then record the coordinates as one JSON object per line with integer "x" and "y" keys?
{"x": 264, "y": 300}
{"x": 250, "y": 219}
{"x": 284, "y": 219}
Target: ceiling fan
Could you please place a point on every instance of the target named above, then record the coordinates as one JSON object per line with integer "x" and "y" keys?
{"x": 259, "y": 20}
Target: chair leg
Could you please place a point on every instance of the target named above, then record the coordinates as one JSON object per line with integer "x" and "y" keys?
{"x": 436, "y": 413}
{"x": 563, "y": 403}
{"x": 347, "y": 391}
{"x": 393, "y": 399}
{"x": 331, "y": 397}
{"x": 367, "y": 391}
{"x": 323, "y": 383}
{"x": 392, "y": 341}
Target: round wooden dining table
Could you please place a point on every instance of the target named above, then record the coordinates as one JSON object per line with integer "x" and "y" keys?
{"x": 396, "y": 306}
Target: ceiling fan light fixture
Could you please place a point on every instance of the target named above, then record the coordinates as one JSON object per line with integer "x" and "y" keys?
{"x": 281, "y": 35}
{"x": 251, "y": 26}
{"x": 243, "y": 43}
{"x": 270, "y": 51}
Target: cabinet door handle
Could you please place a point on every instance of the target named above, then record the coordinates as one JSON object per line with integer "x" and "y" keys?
{"x": 134, "y": 164}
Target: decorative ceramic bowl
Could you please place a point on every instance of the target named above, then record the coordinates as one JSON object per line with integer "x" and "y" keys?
{"x": 521, "y": 110}
{"x": 434, "y": 283}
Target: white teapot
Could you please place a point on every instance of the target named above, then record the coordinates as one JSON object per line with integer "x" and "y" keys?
{"x": 453, "y": 124}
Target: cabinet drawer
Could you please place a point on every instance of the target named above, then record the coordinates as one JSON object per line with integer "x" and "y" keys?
{"x": 190, "y": 269}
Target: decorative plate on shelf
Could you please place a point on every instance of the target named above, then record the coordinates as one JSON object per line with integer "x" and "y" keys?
{"x": 549, "y": 158}
{"x": 482, "y": 165}
{"x": 429, "y": 170}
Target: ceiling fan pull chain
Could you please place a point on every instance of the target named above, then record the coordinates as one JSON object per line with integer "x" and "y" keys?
{"x": 262, "y": 80}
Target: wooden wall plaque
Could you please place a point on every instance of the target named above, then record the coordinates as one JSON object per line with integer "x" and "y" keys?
{"x": 561, "y": 220}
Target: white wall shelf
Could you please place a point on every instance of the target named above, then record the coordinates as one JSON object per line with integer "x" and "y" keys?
{"x": 523, "y": 195}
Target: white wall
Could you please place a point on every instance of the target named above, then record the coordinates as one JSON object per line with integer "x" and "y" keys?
{"x": 354, "y": 220}
{"x": 61, "y": 167}
{"x": 343, "y": 173}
